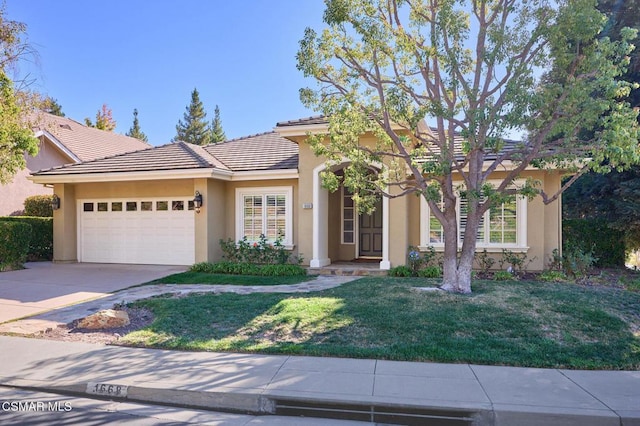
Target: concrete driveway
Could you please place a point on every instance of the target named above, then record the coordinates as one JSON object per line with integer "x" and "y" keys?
{"x": 45, "y": 286}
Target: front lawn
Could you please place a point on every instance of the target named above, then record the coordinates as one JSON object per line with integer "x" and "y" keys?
{"x": 205, "y": 278}
{"x": 503, "y": 323}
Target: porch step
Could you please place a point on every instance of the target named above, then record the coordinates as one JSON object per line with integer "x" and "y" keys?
{"x": 347, "y": 271}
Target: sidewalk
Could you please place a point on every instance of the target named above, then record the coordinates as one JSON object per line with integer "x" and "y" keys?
{"x": 369, "y": 390}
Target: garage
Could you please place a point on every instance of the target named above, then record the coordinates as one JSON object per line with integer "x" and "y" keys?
{"x": 157, "y": 231}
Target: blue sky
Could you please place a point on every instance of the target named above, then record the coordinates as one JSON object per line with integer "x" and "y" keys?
{"x": 150, "y": 55}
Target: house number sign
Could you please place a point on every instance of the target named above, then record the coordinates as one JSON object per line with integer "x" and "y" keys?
{"x": 107, "y": 389}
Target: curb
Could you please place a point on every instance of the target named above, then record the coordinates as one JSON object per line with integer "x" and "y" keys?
{"x": 374, "y": 411}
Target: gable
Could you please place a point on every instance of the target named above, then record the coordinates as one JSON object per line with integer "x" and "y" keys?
{"x": 82, "y": 143}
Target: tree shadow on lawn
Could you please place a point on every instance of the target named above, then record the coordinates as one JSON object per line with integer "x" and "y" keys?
{"x": 520, "y": 324}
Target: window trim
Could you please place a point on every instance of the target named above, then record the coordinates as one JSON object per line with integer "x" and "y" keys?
{"x": 354, "y": 218}
{"x": 287, "y": 191}
{"x": 521, "y": 227}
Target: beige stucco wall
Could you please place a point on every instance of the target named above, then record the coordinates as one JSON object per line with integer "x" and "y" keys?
{"x": 13, "y": 194}
{"x": 216, "y": 220}
{"x": 230, "y": 208}
{"x": 544, "y": 223}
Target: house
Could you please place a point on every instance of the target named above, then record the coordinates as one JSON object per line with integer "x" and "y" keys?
{"x": 62, "y": 141}
{"x": 139, "y": 207}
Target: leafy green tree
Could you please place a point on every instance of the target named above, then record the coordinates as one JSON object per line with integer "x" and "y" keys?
{"x": 135, "y": 131}
{"x": 471, "y": 68}
{"x": 195, "y": 127}
{"x": 615, "y": 196}
{"x": 16, "y": 138}
{"x": 622, "y": 14}
{"x": 104, "y": 119}
{"x": 217, "y": 133}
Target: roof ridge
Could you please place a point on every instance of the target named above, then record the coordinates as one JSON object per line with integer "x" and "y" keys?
{"x": 311, "y": 117}
{"x": 190, "y": 147}
{"x": 239, "y": 138}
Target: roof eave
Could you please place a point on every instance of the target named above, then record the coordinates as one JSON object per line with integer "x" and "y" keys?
{"x": 58, "y": 144}
{"x": 132, "y": 176}
{"x": 265, "y": 175}
{"x": 301, "y": 130}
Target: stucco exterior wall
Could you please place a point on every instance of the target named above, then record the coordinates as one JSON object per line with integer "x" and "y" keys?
{"x": 230, "y": 208}
{"x": 13, "y": 194}
{"x": 544, "y": 223}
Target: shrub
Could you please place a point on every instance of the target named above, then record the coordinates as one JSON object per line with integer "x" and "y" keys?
{"x": 259, "y": 252}
{"x": 577, "y": 262}
{"x": 430, "y": 272}
{"x": 485, "y": 261}
{"x": 401, "y": 271}
{"x": 596, "y": 237}
{"x": 14, "y": 244}
{"x": 41, "y": 244}
{"x": 243, "y": 268}
{"x": 555, "y": 261}
{"x": 202, "y": 267}
{"x": 38, "y": 206}
{"x": 503, "y": 276}
{"x": 552, "y": 276}
{"x": 517, "y": 261}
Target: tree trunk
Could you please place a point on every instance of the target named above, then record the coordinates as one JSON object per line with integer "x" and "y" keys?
{"x": 457, "y": 269}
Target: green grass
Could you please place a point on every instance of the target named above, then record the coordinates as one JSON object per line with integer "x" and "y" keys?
{"x": 502, "y": 323}
{"x": 204, "y": 278}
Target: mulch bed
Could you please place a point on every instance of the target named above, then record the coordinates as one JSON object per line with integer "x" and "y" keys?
{"x": 138, "y": 317}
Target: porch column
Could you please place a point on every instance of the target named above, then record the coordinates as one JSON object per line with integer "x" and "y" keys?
{"x": 385, "y": 263}
{"x": 320, "y": 222}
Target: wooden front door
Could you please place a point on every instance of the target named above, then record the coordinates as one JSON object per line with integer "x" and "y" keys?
{"x": 370, "y": 232}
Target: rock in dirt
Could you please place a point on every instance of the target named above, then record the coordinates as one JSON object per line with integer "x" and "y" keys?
{"x": 109, "y": 318}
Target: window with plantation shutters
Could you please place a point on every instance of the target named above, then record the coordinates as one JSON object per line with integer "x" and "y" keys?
{"x": 264, "y": 211}
{"x": 502, "y": 226}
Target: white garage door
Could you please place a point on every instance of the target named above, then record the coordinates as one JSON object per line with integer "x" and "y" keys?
{"x": 157, "y": 231}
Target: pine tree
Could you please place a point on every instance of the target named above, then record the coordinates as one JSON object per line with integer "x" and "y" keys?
{"x": 217, "y": 133}
{"x": 52, "y": 106}
{"x": 104, "y": 119}
{"x": 195, "y": 128}
{"x": 135, "y": 131}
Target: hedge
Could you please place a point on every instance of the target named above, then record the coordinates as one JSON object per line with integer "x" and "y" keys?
{"x": 14, "y": 243}
{"x": 38, "y": 206}
{"x": 41, "y": 243}
{"x": 595, "y": 235}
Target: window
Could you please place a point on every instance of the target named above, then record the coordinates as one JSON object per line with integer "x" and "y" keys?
{"x": 177, "y": 205}
{"x": 267, "y": 211}
{"x": 116, "y": 206}
{"x": 146, "y": 206}
{"x": 162, "y": 206}
{"x": 87, "y": 207}
{"x": 132, "y": 206}
{"x": 348, "y": 217}
{"x": 103, "y": 207}
{"x": 502, "y": 226}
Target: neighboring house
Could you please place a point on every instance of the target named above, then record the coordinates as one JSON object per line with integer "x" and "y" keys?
{"x": 138, "y": 207}
{"x": 62, "y": 141}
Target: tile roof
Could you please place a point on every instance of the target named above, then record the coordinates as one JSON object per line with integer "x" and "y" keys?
{"x": 316, "y": 119}
{"x": 174, "y": 156}
{"x": 84, "y": 142}
{"x": 458, "y": 140}
{"x": 267, "y": 151}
